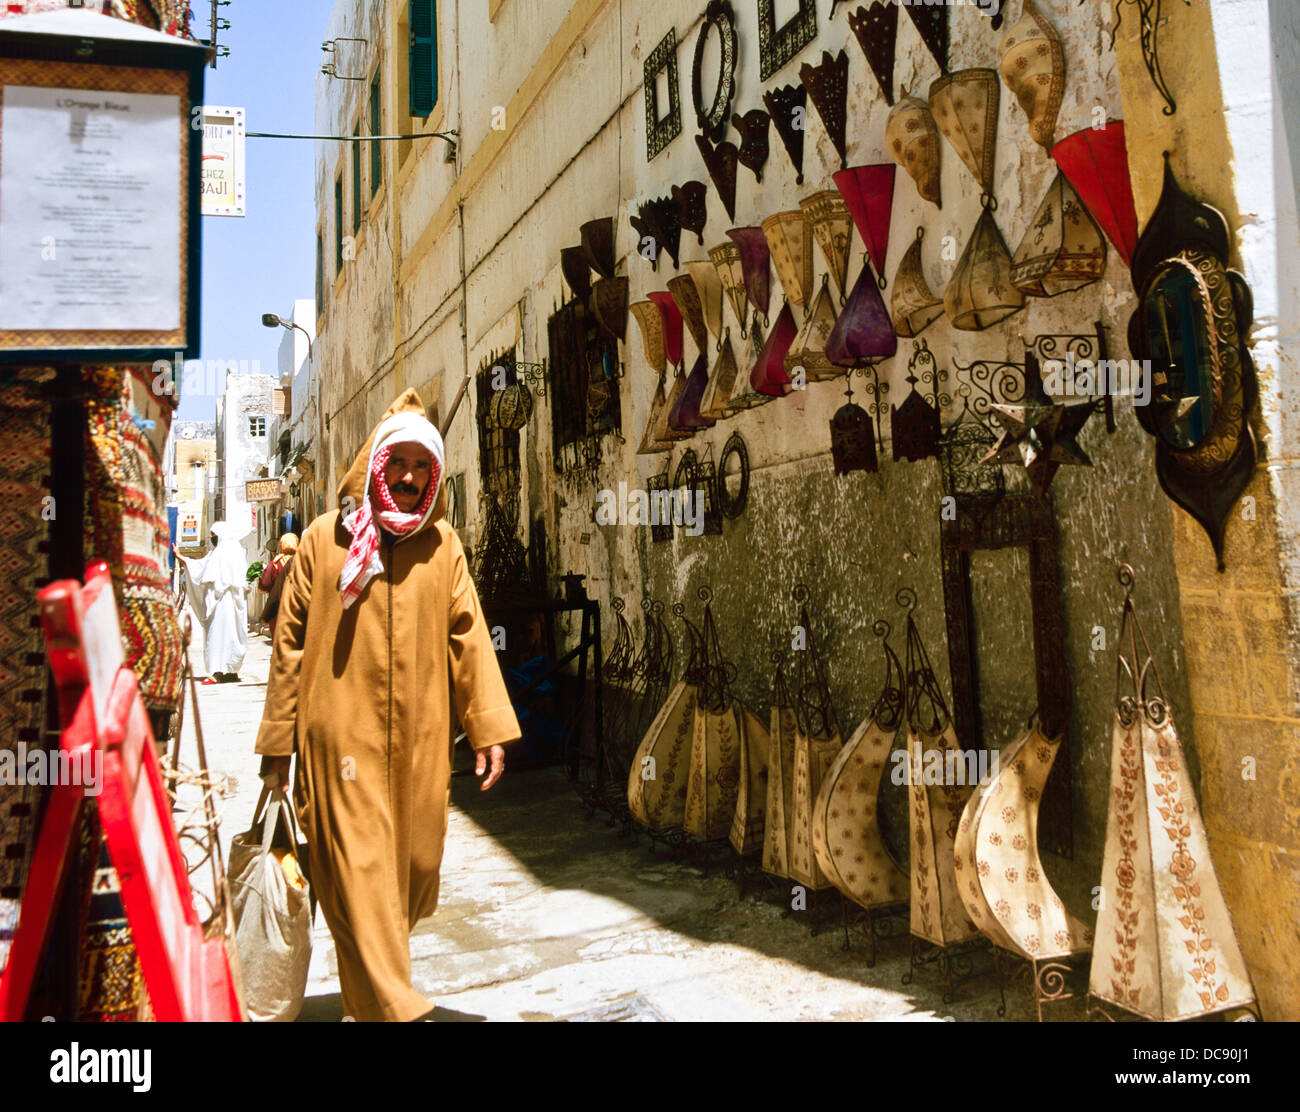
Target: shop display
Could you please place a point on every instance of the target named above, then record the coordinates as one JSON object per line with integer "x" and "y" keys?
{"x": 913, "y": 142}
{"x": 753, "y": 142}
{"x": 912, "y": 305}
{"x": 787, "y": 105}
{"x": 980, "y": 292}
{"x": 1095, "y": 162}
{"x": 720, "y": 160}
{"x": 965, "y": 108}
{"x": 876, "y": 29}
{"x": 828, "y": 87}
{"x": 1062, "y": 249}
{"x": 845, "y": 830}
{"x": 832, "y": 227}
{"x": 1192, "y": 320}
{"x": 711, "y": 116}
{"x": 663, "y": 122}
{"x": 1033, "y": 67}
{"x": 1165, "y": 945}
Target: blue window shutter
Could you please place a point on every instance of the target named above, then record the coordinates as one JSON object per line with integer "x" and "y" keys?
{"x": 424, "y": 57}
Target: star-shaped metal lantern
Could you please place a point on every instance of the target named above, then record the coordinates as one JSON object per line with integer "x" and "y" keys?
{"x": 1040, "y": 434}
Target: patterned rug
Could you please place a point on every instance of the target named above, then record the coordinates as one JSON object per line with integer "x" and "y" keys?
{"x": 24, "y": 541}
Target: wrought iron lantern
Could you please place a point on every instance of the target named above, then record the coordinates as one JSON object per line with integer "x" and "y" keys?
{"x": 510, "y": 407}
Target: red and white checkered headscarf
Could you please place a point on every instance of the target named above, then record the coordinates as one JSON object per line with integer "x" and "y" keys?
{"x": 362, "y": 562}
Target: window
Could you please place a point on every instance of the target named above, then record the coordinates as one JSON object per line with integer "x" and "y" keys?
{"x": 584, "y": 384}
{"x": 423, "y": 80}
{"x": 356, "y": 180}
{"x": 376, "y": 126}
{"x": 257, "y": 426}
{"x": 320, "y": 274}
{"x": 498, "y": 449}
{"x": 338, "y": 225}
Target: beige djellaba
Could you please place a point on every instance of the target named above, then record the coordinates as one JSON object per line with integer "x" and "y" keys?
{"x": 362, "y": 697}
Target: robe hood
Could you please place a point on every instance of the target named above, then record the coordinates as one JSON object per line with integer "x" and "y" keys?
{"x": 354, "y": 482}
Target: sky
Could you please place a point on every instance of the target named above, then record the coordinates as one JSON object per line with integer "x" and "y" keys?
{"x": 262, "y": 262}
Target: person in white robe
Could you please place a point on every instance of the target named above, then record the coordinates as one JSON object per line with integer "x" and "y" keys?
{"x": 216, "y": 587}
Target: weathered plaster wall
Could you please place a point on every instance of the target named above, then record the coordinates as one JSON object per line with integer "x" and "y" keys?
{"x": 1233, "y": 67}
{"x": 573, "y": 148}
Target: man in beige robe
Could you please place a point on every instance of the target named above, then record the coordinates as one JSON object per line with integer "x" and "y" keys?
{"x": 359, "y": 692}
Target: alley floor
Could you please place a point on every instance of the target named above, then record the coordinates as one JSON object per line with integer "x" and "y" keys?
{"x": 546, "y": 915}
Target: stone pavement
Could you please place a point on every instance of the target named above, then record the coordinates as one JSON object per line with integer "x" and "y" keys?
{"x": 546, "y": 916}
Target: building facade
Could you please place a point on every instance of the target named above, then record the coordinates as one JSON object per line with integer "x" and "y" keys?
{"x": 439, "y": 259}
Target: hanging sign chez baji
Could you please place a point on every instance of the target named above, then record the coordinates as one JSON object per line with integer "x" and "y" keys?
{"x": 223, "y": 192}
{"x": 262, "y": 490}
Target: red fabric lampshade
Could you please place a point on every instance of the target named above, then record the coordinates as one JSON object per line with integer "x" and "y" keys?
{"x": 768, "y": 375}
{"x": 1095, "y": 162}
{"x": 869, "y": 193}
{"x": 672, "y": 318}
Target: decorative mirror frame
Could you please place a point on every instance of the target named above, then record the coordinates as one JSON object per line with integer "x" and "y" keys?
{"x": 713, "y": 120}
{"x": 660, "y": 131}
{"x": 1207, "y": 478}
{"x": 1014, "y": 521}
{"x": 777, "y": 45}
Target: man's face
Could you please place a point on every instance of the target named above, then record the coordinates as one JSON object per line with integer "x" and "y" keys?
{"x": 407, "y": 474}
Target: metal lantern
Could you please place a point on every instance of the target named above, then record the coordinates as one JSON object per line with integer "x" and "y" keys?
{"x": 511, "y": 407}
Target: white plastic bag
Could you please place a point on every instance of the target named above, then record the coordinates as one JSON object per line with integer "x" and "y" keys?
{"x": 272, "y": 917}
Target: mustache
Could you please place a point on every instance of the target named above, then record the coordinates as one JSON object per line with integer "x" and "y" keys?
{"x": 402, "y": 487}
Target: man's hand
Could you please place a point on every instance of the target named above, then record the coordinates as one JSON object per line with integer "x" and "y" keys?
{"x": 498, "y": 755}
{"x": 280, "y": 765}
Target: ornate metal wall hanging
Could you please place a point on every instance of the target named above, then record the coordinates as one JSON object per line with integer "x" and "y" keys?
{"x": 876, "y": 29}
{"x": 692, "y": 211}
{"x": 963, "y": 449}
{"x": 853, "y": 443}
{"x": 733, "y": 477}
{"x": 720, "y": 161}
{"x": 597, "y": 238}
{"x": 705, "y": 481}
{"x": 1040, "y": 434}
{"x": 965, "y": 108}
{"x": 863, "y": 331}
{"x": 787, "y": 105}
{"x": 661, "y": 128}
{"x": 914, "y": 425}
{"x": 684, "y": 476}
{"x": 789, "y": 240}
{"x": 1149, "y": 20}
{"x": 574, "y": 267}
{"x": 980, "y": 292}
{"x": 657, "y": 221}
{"x": 1095, "y": 161}
{"x": 832, "y": 227}
{"x": 868, "y": 191}
{"x": 1033, "y": 66}
{"x": 932, "y": 22}
{"x": 1080, "y": 349}
{"x": 1063, "y": 249}
{"x": 777, "y": 45}
{"x": 1165, "y": 947}
{"x": 712, "y": 117}
{"x": 753, "y": 140}
{"x": 828, "y": 86}
{"x": 755, "y": 267}
{"x": 1192, "y": 320}
{"x": 911, "y": 303}
{"x": 659, "y": 530}
{"x": 1014, "y": 521}
{"x": 609, "y": 297}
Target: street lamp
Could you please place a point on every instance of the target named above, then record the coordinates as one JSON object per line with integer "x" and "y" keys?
{"x": 271, "y": 320}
